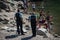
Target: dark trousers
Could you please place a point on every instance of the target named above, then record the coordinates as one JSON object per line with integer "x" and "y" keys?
{"x": 19, "y": 28}
{"x": 33, "y": 30}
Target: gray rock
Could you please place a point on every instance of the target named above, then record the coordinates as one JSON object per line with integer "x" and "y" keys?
{"x": 1, "y": 19}
{"x": 5, "y": 15}
{"x": 5, "y": 21}
{"x": 56, "y": 35}
{"x": 42, "y": 32}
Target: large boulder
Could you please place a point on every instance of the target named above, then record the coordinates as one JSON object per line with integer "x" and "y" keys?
{"x": 42, "y": 32}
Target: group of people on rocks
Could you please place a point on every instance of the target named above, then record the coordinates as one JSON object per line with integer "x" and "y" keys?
{"x": 45, "y": 19}
{"x": 36, "y": 19}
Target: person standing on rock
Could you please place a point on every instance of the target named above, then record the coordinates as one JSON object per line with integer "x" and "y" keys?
{"x": 19, "y": 22}
{"x": 33, "y": 6}
{"x": 33, "y": 24}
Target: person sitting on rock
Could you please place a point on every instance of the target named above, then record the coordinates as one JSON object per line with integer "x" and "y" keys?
{"x": 42, "y": 18}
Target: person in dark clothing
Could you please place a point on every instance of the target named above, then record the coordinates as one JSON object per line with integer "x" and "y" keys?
{"x": 19, "y": 22}
{"x": 33, "y": 24}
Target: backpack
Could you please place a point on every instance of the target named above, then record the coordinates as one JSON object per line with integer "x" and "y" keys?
{"x": 33, "y": 19}
{"x": 18, "y": 16}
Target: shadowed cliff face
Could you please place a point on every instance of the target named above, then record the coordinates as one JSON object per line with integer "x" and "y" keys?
{"x": 2, "y": 6}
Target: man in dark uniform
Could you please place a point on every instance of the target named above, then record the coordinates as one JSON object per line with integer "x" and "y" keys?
{"x": 19, "y": 22}
{"x": 33, "y": 24}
